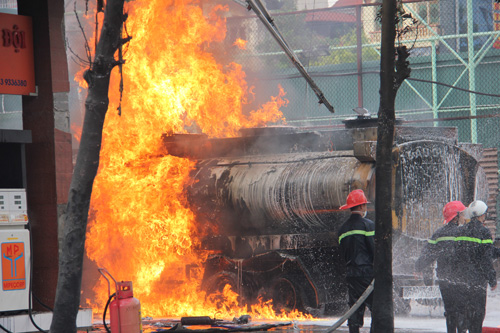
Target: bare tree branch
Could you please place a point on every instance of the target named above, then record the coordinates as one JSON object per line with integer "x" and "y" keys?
{"x": 81, "y": 60}
{"x": 87, "y": 47}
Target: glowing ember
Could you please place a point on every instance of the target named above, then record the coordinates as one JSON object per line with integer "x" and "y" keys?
{"x": 241, "y": 43}
{"x": 142, "y": 229}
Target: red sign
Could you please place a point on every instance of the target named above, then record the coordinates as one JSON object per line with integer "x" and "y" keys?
{"x": 13, "y": 266}
{"x": 496, "y": 23}
{"x": 17, "y": 69}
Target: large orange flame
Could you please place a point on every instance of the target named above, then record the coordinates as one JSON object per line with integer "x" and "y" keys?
{"x": 142, "y": 228}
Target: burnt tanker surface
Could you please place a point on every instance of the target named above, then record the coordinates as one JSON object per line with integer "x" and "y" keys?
{"x": 276, "y": 194}
{"x": 271, "y": 201}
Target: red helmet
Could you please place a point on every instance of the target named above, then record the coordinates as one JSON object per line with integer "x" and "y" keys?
{"x": 355, "y": 198}
{"x": 451, "y": 209}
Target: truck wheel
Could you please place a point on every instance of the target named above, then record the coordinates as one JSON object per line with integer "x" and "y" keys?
{"x": 216, "y": 283}
{"x": 285, "y": 295}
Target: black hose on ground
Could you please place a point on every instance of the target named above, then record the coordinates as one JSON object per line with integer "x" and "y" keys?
{"x": 30, "y": 290}
{"x": 41, "y": 303}
{"x": 104, "y": 314}
{"x": 30, "y": 315}
{"x": 356, "y": 306}
{"x": 4, "y": 329}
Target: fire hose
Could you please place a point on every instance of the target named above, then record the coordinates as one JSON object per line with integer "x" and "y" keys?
{"x": 105, "y": 310}
{"x": 356, "y": 306}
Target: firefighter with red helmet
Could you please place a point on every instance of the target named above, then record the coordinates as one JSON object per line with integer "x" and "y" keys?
{"x": 441, "y": 248}
{"x": 475, "y": 250}
{"x": 356, "y": 242}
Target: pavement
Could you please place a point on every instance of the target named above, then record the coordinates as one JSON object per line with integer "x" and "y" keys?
{"x": 422, "y": 319}
{"x": 402, "y": 324}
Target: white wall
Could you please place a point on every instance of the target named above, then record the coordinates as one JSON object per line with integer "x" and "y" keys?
{"x": 314, "y": 4}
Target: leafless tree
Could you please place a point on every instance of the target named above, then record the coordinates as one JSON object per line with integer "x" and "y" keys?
{"x": 392, "y": 74}
{"x": 72, "y": 231}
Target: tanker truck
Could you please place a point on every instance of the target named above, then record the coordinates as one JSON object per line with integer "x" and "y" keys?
{"x": 269, "y": 201}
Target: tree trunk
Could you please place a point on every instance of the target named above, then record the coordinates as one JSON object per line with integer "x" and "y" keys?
{"x": 72, "y": 231}
{"x": 383, "y": 312}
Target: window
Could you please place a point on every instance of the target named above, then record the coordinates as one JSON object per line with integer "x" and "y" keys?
{"x": 429, "y": 12}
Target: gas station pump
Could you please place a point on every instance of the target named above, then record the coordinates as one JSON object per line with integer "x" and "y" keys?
{"x": 14, "y": 251}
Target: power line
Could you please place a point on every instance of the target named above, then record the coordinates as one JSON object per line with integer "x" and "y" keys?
{"x": 450, "y": 86}
{"x": 317, "y": 74}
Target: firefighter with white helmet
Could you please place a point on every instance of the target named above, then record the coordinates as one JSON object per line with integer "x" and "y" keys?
{"x": 440, "y": 248}
{"x": 474, "y": 250}
{"x": 356, "y": 242}
{"x": 477, "y": 209}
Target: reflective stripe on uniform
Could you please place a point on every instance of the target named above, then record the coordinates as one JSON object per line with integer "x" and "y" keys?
{"x": 475, "y": 240}
{"x": 356, "y": 232}
{"x": 462, "y": 238}
{"x": 441, "y": 239}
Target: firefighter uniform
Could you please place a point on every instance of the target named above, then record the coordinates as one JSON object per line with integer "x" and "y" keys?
{"x": 474, "y": 251}
{"x": 356, "y": 241}
{"x": 496, "y": 252}
{"x": 441, "y": 248}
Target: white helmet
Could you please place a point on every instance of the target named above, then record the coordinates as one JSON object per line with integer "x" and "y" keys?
{"x": 477, "y": 208}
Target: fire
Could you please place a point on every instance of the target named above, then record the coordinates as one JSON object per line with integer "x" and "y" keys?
{"x": 76, "y": 130}
{"x": 241, "y": 43}
{"x": 141, "y": 227}
{"x": 90, "y": 15}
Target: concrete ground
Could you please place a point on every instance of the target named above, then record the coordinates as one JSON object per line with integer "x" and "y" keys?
{"x": 422, "y": 319}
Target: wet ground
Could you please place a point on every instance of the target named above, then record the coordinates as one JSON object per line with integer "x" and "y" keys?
{"x": 423, "y": 319}
{"x": 402, "y": 325}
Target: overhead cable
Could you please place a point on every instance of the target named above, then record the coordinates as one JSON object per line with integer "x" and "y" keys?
{"x": 453, "y": 87}
{"x": 264, "y": 16}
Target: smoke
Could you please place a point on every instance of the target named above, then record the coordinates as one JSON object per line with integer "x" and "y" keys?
{"x": 78, "y": 31}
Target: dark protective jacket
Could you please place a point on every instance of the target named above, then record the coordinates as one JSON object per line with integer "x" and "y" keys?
{"x": 356, "y": 241}
{"x": 474, "y": 253}
{"x": 496, "y": 252}
{"x": 441, "y": 247}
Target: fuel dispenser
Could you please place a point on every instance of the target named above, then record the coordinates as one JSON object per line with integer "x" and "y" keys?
{"x": 14, "y": 251}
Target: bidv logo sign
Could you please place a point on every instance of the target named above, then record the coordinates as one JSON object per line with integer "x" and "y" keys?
{"x": 17, "y": 72}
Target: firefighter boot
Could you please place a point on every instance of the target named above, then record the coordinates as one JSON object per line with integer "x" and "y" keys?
{"x": 353, "y": 329}
{"x": 451, "y": 323}
{"x": 461, "y": 324}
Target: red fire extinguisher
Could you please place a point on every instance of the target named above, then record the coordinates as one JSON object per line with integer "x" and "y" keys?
{"x": 125, "y": 309}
